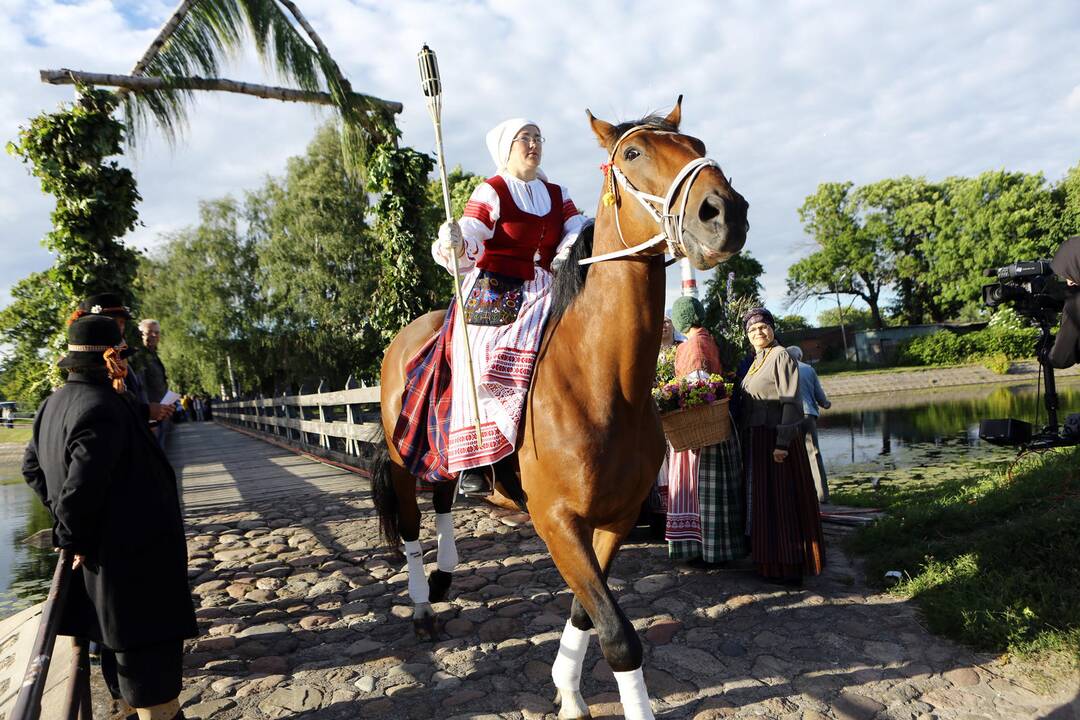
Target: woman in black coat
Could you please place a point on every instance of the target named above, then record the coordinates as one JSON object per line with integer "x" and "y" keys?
{"x": 113, "y": 498}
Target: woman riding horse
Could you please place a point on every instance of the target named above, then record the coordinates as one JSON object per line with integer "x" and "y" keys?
{"x": 591, "y": 443}
{"x": 515, "y": 226}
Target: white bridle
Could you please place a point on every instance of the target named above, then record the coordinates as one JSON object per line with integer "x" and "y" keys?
{"x": 671, "y": 223}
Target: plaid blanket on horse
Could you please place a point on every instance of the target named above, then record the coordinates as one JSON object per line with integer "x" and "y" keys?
{"x": 423, "y": 428}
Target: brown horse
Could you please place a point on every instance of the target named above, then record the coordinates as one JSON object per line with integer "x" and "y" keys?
{"x": 591, "y": 444}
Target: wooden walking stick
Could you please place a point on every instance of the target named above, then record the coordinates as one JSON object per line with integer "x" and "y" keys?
{"x": 432, "y": 87}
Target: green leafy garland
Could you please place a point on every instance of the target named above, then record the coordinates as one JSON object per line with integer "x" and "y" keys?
{"x": 95, "y": 206}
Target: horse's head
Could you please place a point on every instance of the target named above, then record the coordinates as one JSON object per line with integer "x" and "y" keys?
{"x": 676, "y": 187}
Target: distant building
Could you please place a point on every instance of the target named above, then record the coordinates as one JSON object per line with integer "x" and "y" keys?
{"x": 818, "y": 344}
{"x": 874, "y": 347}
{"x": 880, "y": 347}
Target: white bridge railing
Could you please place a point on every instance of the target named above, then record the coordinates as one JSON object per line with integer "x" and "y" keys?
{"x": 340, "y": 425}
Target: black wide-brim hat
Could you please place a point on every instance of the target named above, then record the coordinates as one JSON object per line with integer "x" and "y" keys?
{"x": 109, "y": 304}
{"x": 88, "y": 339}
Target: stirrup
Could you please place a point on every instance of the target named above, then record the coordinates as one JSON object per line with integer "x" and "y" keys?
{"x": 475, "y": 482}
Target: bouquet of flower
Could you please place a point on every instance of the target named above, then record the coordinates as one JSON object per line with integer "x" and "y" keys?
{"x": 665, "y": 366}
{"x": 682, "y": 394}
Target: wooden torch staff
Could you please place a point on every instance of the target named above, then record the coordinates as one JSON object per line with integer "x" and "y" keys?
{"x": 432, "y": 87}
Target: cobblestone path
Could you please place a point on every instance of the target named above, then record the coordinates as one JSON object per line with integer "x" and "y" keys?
{"x": 302, "y": 615}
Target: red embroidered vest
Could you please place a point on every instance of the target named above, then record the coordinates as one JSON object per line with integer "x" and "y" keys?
{"x": 519, "y": 235}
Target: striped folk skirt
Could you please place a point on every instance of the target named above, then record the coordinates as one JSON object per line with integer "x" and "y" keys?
{"x": 705, "y": 504}
{"x": 786, "y": 537}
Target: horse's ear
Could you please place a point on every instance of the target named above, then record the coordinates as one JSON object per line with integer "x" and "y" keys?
{"x": 604, "y": 131}
{"x": 675, "y": 116}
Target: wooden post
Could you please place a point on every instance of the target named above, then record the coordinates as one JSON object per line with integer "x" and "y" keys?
{"x": 352, "y": 416}
{"x": 324, "y": 440}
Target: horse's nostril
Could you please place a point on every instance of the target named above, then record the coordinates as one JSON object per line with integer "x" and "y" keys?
{"x": 710, "y": 208}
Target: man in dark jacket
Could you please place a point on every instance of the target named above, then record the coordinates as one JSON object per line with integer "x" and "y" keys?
{"x": 112, "y": 495}
{"x": 1066, "y": 265}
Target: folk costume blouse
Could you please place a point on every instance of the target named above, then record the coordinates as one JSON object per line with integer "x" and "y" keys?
{"x": 482, "y": 214}
{"x": 771, "y": 394}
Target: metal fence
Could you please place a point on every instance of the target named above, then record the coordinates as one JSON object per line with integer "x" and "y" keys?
{"x": 77, "y": 703}
{"x": 341, "y": 425}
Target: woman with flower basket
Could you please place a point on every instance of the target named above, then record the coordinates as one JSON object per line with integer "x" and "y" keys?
{"x": 705, "y": 497}
{"x": 785, "y": 520}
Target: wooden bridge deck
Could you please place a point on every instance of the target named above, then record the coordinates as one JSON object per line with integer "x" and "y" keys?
{"x": 218, "y": 468}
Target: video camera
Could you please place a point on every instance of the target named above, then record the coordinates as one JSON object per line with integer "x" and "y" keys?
{"x": 1031, "y": 287}
{"x": 1033, "y": 290}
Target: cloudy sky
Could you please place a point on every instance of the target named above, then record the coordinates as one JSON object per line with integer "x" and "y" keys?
{"x": 786, "y": 95}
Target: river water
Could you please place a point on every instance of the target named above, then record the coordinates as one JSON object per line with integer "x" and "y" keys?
{"x": 913, "y": 437}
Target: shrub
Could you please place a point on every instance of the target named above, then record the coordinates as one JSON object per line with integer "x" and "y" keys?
{"x": 949, "y": 348}
{"x": 998, "y": 363}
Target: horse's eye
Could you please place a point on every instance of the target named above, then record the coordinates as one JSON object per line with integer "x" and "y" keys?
{"x": 631, "y": 154}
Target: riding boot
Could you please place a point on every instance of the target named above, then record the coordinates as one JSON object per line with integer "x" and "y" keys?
{"x": 476, "y": 482}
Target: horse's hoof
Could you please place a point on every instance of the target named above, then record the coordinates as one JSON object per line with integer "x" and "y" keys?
{"x": 575, "y": 709}
{"x": 425, "y": 629}
{"x": 439, "y": 585}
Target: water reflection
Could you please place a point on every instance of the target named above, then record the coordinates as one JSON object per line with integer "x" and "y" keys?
{"x": 25, "y": 571}
{"x": 928, "y": 427}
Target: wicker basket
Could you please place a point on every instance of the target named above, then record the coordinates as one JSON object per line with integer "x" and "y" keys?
{"x": 697, "y": 427}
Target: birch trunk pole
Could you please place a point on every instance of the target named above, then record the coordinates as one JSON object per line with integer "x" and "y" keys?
{"x": 128, "y": 82}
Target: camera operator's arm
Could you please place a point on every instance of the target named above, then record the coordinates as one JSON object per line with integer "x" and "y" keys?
{"x": 1065, "y": 352}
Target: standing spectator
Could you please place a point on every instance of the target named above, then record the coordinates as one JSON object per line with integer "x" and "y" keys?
{"x": 705, "y": 497}
{"x": 112, "y": 305}
{"x": 197, "y": 403}
{"x": 154, "y": 378}
{"x": 112, "y": 495}
{"x": 785, "y": 520}
{"x": 812, "y": 395}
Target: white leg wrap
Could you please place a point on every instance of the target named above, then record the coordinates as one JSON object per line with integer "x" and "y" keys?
{"x": 633, "y": 695}
{"x": 444, "y": 531}
{"x": 418, "y": 587}
{"x": 566, "y": 670}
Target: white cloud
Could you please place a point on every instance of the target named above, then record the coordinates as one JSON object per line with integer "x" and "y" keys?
{"x": 786, "y": 95}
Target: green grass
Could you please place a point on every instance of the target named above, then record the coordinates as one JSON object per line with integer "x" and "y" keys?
{"x": 992, "y": 561}
{"x": 16, "y": 435}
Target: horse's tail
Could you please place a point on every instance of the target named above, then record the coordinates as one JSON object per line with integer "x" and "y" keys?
{"x": 384, "y": 497}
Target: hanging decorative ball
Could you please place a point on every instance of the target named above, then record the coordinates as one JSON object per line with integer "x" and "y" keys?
{"x": 608, "y": 199}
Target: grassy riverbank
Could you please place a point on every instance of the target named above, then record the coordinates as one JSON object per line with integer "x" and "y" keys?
{"x": 16, "y": 435}
{"x": 990, "y": 558}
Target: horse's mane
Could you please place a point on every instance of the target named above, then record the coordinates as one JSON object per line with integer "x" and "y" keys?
{"x": 656, "y": 121}
{"x": 571, "y": 276}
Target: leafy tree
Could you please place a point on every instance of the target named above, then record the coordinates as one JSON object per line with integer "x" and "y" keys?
{"x": 745, "y": 284}
{"x": 790, "y": 323}
{"x": 854, "y": 318}
{"x": 1068, "y": 190}
{"x": 852, "y": 258}
{"x": 320, "y": 279}
{"x": 899, "y": 214}
{"x": 204, "y": 287}
{"x": 983, "y": 222}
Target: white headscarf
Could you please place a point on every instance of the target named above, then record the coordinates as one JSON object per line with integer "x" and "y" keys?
{"x": 501, "y": 137}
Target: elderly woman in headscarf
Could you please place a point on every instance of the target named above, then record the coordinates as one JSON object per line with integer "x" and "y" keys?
{"x": 517, "y": 227}
{"x": 785, "y": 524}
{"x": 705, "y": 496}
